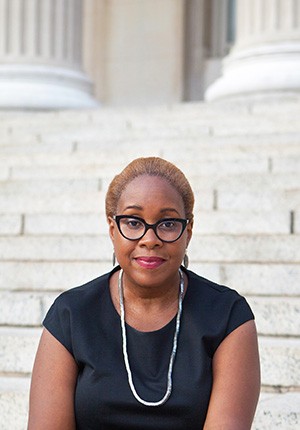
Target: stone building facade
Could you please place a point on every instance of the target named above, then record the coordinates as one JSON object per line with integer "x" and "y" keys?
{"x": 242, "y": 156}
{"x": 84, "y": 53}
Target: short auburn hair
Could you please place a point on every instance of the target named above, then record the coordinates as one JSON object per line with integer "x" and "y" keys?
{"x": 151, "y": 166}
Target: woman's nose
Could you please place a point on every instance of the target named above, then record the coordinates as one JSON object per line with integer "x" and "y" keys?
{"x": 150, "y": 238}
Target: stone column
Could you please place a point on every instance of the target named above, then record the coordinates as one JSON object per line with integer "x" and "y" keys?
{"x": 194, "y": 50}
{"x": 40, "y": 55}
{"x": 266, "y": 56}
{"x": 142, "y": 63}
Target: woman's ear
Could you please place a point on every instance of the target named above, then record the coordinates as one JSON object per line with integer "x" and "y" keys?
{"x": 111, "y": 228}
{"x": 189, "y": 232}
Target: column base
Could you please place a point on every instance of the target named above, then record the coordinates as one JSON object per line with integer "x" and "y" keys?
{"x": 42, "y": 87}
{"x": 261, "y": 70}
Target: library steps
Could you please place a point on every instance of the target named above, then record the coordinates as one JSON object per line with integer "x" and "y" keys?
{"x": 243, "y": 161}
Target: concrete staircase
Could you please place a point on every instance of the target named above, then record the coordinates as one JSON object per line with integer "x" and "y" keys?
{"x": 243, "y": 160}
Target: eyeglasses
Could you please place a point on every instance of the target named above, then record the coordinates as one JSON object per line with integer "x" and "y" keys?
{"x": 134, "y": 228}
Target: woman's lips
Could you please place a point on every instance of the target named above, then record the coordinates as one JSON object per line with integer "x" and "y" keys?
{"x": 149, "y": 262}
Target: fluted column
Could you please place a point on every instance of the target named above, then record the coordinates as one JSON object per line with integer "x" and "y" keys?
{"x": 266, "y": 56}
{"x": 40, "y": 55}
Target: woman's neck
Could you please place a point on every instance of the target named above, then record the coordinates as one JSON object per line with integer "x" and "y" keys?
{"x": 147, "y": 309}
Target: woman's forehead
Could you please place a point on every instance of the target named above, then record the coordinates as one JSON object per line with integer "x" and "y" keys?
{"x": 145, "y": 184}
{"x": 150, "y": 190}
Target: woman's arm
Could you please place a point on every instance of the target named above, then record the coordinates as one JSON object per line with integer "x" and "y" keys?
{"x": 52, "y": 387}
{"x": 236, "y": 381}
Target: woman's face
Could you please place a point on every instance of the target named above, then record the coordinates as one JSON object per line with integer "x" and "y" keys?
{"x": 149, "y": 261}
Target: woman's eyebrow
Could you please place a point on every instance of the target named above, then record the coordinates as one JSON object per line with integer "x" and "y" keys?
{"x": 134, "y": 207}
{"x": 162, "y": 211}
{"x": 169, "y": 210}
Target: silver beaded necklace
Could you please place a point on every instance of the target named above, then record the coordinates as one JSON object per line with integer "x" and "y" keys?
{"x": 173, "y": 353}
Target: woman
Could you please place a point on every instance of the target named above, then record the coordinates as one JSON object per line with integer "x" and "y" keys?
{"x": 150, "y": 345}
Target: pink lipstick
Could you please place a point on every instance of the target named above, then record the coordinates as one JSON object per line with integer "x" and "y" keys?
{"x": 149, "y": 262}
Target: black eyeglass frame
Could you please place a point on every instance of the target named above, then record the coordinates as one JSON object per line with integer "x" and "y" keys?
{"x": 183, "y": 221}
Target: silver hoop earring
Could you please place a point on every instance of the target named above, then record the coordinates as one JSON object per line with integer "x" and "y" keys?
{"x": 114, "y": 258}
{"x": 186, "y": 261}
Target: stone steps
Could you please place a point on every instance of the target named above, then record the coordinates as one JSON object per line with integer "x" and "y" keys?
{"x": 49, "y": 276}
{"x": 243, "y": 161}
{"x": 96, "y": 151}
{"x": 14, "y": 402}
{"x": 275, "y": 410}
{"x": 275, "y": 316}
{"x": 127, "y": 149}
{"x": 207, "y": 222}
{"x": 77, "y": 168}
{"x": 278, "y": 411}
{"x": 232, "y": 163}
{"x": 96, "y": 130}
{"x": 80, "y": 202}
{"x": 206, "y": 199}
{"x": 18, "y": 346}
{"x": 199, "y": 146}
{"x": 246, "y": 182}
{"x": 94, "y": 169}
{"x": 181, "y": 116}
{"x": 258, "y": 279}
{"x": 214, "y": 248}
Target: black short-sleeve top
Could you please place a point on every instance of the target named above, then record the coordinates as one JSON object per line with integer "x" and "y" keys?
{"x": 86, "y": 322}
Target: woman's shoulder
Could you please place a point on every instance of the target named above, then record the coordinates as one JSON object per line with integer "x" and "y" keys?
{"x": 87, "y": 288}
{"x": 83, "y": 295}
{"x": 207, "y": 287}
{"x": 78, "y": 310}
{"x": 218, "y": 299}
{"x": 218, "y": 308}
